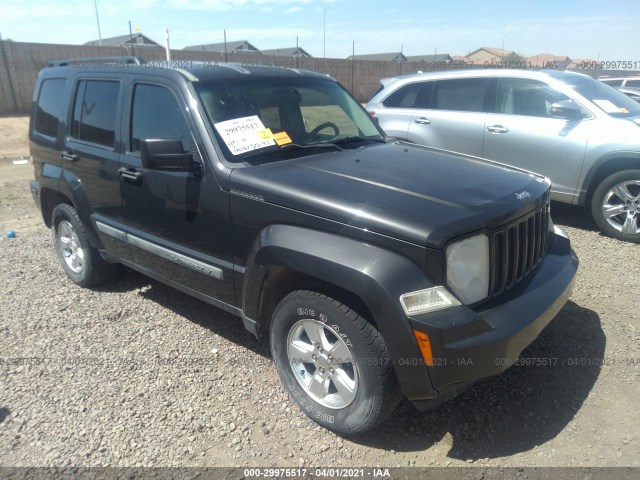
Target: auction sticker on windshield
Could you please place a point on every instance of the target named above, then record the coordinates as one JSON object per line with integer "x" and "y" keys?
{"x": 610, "y": 107}
{"x": 244, "y": 134}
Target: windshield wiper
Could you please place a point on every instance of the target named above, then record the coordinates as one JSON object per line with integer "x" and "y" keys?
{"x": 356, "y": 138}
{"x": 296, "y": 146}
{"x": 289, "y": 147}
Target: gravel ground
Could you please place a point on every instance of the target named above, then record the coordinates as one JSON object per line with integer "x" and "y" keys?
{"x": 135, "y": 373}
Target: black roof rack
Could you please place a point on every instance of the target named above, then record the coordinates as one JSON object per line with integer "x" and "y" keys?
{"x": 127, "y": 60}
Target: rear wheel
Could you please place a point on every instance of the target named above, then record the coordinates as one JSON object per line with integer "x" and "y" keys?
{"x": 81, "y": 262}
{"x": 615, "y": 205}
{"x": 333, "y": 363}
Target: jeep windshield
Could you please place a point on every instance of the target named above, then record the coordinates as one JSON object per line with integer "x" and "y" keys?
{"x": 266, "y": 119}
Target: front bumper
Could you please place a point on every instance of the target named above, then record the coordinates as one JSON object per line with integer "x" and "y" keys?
{"x": 471, "y": 344}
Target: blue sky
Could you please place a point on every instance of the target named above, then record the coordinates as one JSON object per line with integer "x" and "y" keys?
{"x": 578, "y": 28}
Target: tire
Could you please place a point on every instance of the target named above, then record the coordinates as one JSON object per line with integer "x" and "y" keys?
{"x": 348, "y": 397}
{"x": 615, "y": 206}
{"x": 81, "y": 262}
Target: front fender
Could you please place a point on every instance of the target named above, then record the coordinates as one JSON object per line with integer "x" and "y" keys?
{"x": 376, "y": 276}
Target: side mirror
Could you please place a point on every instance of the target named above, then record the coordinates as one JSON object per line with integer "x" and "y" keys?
{"x": 567, "y": 109}
{"x": 166, "y": 154}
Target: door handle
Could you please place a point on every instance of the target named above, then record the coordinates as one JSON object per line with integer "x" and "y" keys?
{"x": 130, "y": 174}
{"x": 69, "y": 156}
{"x": 498, "y": 129}
{"x": 422, "y": 120}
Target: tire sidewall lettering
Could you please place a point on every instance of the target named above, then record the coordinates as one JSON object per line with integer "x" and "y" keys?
{"x": 306, "y": 313}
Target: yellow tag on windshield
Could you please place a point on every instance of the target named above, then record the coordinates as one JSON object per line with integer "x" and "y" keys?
{"x": 281, "y": 138}
{"x": 265, "y": 134}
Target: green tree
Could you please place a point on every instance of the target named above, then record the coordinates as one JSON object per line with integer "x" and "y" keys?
{"x": 513, "y": 59}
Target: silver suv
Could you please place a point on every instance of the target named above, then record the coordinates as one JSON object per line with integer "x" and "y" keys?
{"x": 581, "y": 133}
{"x": 622, "y": 82}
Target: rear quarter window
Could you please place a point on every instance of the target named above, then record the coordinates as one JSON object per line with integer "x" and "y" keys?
{"x": 413, "y": 95}
{"x": 49, "y": 107}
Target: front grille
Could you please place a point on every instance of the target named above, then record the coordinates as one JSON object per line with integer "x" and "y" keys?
{"x": 516, "y": 249}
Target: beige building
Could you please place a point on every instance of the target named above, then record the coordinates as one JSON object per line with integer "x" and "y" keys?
{"x": 548, "y": 60}
{"x": 487, "y": 55}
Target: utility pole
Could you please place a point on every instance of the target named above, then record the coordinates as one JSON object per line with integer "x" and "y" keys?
{"x": 502, "y": 49}
{"x": 166, "y": 44}
{"x": 324, "y": 34}
{"x": 131, "y": 39}
{"x": 95, "y": 5}
{"x": 353, "y": 64}
{"x": 226, "y": 56}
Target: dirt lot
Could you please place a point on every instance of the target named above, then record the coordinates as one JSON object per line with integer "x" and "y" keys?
{"x": 16, "y": 210}
{"x": 135, "y": 373}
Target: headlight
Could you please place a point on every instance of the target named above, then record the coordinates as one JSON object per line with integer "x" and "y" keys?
{"x": 468, "y": 268}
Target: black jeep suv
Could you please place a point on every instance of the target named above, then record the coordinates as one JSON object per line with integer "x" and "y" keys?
{"x": 374, "y": 267}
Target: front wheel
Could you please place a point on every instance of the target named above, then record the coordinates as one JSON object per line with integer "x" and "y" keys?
{"x": 615, "y": 205}
{"x": 332, "y": 362}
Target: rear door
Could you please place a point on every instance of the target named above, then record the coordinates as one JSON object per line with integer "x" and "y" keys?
{"x": 90, "y": 156}
{"x": 522, "y": 133}
{"x": 455, "y": 117}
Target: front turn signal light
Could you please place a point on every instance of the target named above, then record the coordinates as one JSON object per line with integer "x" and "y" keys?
{"x": 425, "y": 347}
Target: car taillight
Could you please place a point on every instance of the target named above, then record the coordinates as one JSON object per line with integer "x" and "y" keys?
{"x": 372, "y": 114}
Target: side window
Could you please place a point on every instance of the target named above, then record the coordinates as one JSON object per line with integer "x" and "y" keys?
{"x": 49, "y": 106}
{"x": 156, "y": 113}
{"x": 632, "y": 83}
{"x": 460, "y": 94}
{"x": 521, "y": 96}
{"x": 613, "y": 83}
{"x": 413, "y": 95}
{"x": 94, "y": 112}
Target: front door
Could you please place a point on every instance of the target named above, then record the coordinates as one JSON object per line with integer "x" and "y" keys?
{"x": 523, "y": 133}
{"x": 177, "y": 222}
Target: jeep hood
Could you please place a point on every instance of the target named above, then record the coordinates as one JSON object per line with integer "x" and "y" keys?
{"x": 408, "y": 192}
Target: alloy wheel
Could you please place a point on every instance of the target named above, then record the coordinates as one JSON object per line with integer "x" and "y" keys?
{"x": 621, "y": 207}
{"x": 69, "y": 246}
{"x": 322, "y": 363}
